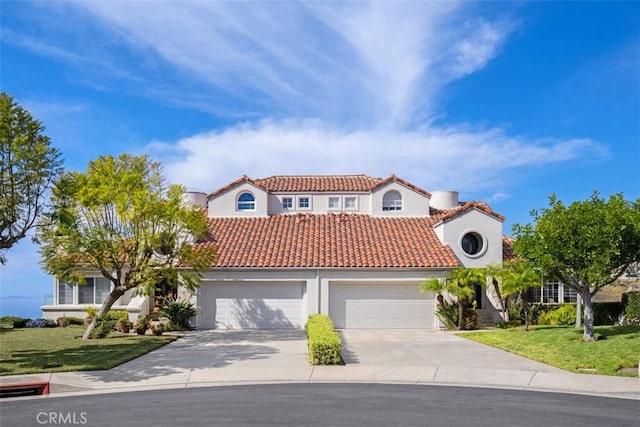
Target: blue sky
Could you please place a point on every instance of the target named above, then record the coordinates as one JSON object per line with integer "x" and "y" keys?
{"x": 504, "y": 102}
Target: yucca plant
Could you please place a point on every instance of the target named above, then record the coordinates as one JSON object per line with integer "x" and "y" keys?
{"x": 178, "y": 312}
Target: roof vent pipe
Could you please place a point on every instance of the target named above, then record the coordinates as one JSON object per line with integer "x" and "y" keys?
{"x": 443, "y": 200}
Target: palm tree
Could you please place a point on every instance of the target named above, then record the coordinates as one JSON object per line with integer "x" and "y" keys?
{"x": 460, "y": 285}
{"x": 518, "y": 277}
{"x": 497, "y": 273}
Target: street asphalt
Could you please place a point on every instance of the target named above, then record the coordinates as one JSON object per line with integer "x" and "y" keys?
{"x": 218, "y": 358}
{"x": 325, "y": 405}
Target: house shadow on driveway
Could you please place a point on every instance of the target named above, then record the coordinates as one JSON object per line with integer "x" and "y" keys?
{"x": 208, "y": 350}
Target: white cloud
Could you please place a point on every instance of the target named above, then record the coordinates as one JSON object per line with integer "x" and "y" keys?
{"x": 366, "y": 63}
{"x": 435, "y": 158}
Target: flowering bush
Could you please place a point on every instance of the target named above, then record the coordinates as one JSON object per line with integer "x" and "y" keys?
{"x": 41, "y": 323}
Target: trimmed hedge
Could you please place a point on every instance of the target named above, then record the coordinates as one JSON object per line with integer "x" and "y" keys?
{"x": 14, "y": 321}
{"x": 631, "y": 304}
{"x": 606, "y": 313}
{"x": 564, "y": 315}
{"x": 324, "y": 342}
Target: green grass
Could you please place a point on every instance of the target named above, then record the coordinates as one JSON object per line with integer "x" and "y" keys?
{"x": 38, "y": 350}
{"x": 562, "y": 346}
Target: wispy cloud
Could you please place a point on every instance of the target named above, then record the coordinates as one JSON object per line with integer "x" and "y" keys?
{"x": 452, "y": 157}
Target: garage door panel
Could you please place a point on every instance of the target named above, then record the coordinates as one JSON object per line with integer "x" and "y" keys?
{"x": 252, "y": 306}
{"x": 381, "y": 306}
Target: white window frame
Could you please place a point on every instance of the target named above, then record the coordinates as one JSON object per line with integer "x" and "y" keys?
{"x": 57, "y": 296}
{"x": 346, "y": 201}
{"x": 248, "y": 209}
{"x": 392, "y": 205}
{"x": 299, "y": 201}
{"x": 334, "y": 198}
{"x": 287, "y": 199}
{"x": 92, "y": 281}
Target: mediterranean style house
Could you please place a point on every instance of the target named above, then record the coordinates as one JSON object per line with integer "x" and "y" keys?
{"x": 350, "y": 246}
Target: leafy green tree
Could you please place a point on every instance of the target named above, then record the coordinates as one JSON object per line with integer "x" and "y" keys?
{"x": 121, "y": 218}
{"x": 28, "y": 166}
{"x": 460, "y": 285}
{"x": 587, "y": 245}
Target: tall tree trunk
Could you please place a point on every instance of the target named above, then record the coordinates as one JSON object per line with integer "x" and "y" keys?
{"x": 460, "y": 312}
{"x": 589, "y": 334}
{"x": 578, "y": 311}
{"x": 106, "y": 306}
{"x": 503, "y": 301}
{"x": 525, "y": 307}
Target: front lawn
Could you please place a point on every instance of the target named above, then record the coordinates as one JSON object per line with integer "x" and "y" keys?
{"x": 37, "y": 350}
{"x": 562, "y": 346}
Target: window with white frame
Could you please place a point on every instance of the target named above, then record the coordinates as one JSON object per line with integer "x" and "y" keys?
{"x": 534, "y": 295}
{"x": 246, "y": 202}
{"x": 95, "y": 291}
{"x": 304, "y": 202}
{"x": 65, "y": 293}
{"x": 287, "y": 202}
{"x": 550, "y": 293}
{"x": 351, "y": 203}
{"x": 569, "y": 294}
{"x": 392, "y": 201}
{"x": 334, "y": 203}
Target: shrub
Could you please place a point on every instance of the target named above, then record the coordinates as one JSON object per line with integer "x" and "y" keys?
{"x": 14, "y": 321}
{"x": 62, "y": 321}
{"x": 565, "y": 315}
{"x": 631, "y": 305}
{"x": 606, "y": 313}
{"x": 116, "y": 315}
{"x": 510, "y": 324}
{"x": 75, "y": 321}
{"x": 141, "y": 325}
{"x": 41, "y": 323}
{"x": 178, "y": 312}
{"x": 451, "y": 309}
{"x": 325, "y": 345}
{"x": 103, "y": 327}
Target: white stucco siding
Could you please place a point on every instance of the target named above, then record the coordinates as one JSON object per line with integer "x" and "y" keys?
{"x": 486, "y": 226}
{"x": 319, "y": 203}
{"x": 225, "y": 204}
{"x": 414, "y": 204}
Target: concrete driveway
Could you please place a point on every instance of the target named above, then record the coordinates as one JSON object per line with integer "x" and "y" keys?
{"x": 412, "y": 347}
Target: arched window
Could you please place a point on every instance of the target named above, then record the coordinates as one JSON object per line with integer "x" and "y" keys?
{"x": 246, "y": 202}
{"x": 392, "y": 201}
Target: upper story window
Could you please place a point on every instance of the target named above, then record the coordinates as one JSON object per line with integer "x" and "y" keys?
{"x": 304, "y": 202}
{"x": 287, "y": 202}
{"x": 334, "y": 203}
{"x": 351, "y": 203}
{"x": 392, "y": 201}
{"x": 246, "y": 202}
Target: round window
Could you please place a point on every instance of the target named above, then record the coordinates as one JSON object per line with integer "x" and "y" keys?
{"x": 471, "y": 243}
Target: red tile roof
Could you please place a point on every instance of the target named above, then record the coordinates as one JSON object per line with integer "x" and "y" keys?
{"x": 330, "y": 240}
{"x": 319, "y": 183}
{"x": 438, "y": 216}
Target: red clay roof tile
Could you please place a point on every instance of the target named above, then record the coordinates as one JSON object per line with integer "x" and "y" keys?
{"x": 331, "y": 240}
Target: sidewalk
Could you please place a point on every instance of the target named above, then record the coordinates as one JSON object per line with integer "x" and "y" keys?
{"x": 205, "y": 359}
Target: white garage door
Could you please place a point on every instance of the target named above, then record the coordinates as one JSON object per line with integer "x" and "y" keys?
{"x": 255, "y": 305}
{"x": 390, "y": 306}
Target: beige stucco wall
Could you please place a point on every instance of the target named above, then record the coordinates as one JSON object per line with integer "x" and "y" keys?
{"x": 414, "y": 204}
{"x": 225, "y": 204}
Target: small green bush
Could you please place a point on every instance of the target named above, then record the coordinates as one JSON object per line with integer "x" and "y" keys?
{"x": 178, "y": 312}
{"x": 325, "y": 345}
{"x": 14, "y": 321}
{"x": 75, "y": 321}
{"x": 103, "y": 328}
{"x": 631, "y": 304}
{"x": 116, "y": 315}
{"x": 565, "y": 315}
{"x": 606, "y": 313}
{"x": 505, "y": 325}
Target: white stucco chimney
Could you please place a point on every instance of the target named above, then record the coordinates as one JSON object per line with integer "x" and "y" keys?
{"x": 443, "y": 200}
{"x": 195, "y": 198}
